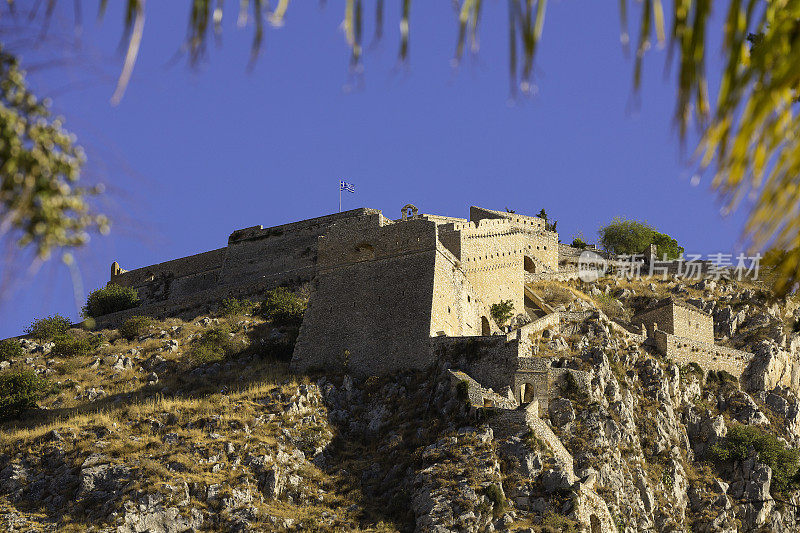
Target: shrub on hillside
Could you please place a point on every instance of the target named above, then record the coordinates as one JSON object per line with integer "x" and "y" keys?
{"x": 577, "y": 242}
{"x": 234, "y": 307}
{"x": 110, "y": 299}
{"x": 19, "y": 391}
{"x": 46, "y": 329}
{"x": 213, "y": 345}
{"x": 10, "y": 349}
{"x": 741, "y": 440}
{"x": 69, "y": 345}
{"x": 135, "y": 326}
{"x": 283, "y": 307}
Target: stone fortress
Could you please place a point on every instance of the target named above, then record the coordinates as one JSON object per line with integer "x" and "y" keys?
{"x": 382, "y": 288}
{"x": 391, "y": 295}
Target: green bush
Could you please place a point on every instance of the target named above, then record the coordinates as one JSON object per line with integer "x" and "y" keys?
{"x": 502, "y": 312}
{"x": 135, "y": 326}
{"x": 69, "y": 345}
{"x": 741, "y": 440}
{"x": 19, "y": 391}
{"x": 577, "y": 242}
{"x": 495, "y": 494}
{"x": 234, "y": 307}
{"x": 213, "y": 345}
{"x": 110, "y": 299}
{"x": 10, "y": 349}
{"x": 283, "y": 307}
{"x": 632, "y": 237}
{"x": 46, "y": 329}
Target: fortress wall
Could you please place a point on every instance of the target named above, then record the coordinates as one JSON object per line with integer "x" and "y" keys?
{"x": 256, "y": 232}
{"x": 440, "y": 220}
{"x": 492, "y": 361}
{"x": 479, "y": 213}
{"x": 254, "y": 252}
{"x": 185, "y": 266}
{"x": 253, "y": 255}
{"x": 539, "y": 243}
{"x": 456, "y": 309}
{"x": 679, "y": 320}
{"x": 542, "y": 246}
{"x": 709, "y": 356}
{"x": 174, "y": 279}
{"x": 373, "y": 296}
{"x": 660, "y": 318}
{"x": 450, "y": 239}
{"x": 491, "y": 259}
{"x": 693, "y": 324}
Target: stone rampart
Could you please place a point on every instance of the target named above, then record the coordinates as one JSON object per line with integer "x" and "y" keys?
{"x": 709, "y": 356}
{"x": 505, "y": 422}
{"x": 370, "y": 312}
{"x": 479, "y": 396}
{"x": 492, "y": 360}
{"x": 284, "y": 254}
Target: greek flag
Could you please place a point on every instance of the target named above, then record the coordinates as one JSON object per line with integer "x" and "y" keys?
{"x": 344, "y": 186}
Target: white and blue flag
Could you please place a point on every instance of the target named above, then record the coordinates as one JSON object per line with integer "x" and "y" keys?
{"x": 345, "y": 186}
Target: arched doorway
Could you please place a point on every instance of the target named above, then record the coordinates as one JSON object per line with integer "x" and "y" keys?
{"x": 529, "y": 265}
{"x": 527, "y": 393}
{"x": 486, "y": 330}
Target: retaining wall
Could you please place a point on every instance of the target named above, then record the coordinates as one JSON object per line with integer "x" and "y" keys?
{"x": 709, "y": 356}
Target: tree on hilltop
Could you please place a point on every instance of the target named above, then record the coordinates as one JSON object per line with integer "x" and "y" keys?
{"x": 631, "y": 237}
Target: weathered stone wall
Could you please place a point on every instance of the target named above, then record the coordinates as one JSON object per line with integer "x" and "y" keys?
{"x": 479, "y": 396}
{"x": 174, "y": 279}
{"x": 539, "y": 244}
{"x": 490, "y": 256}
{"x": 660, "y": 318}
{"x": 492, "y": 361}
{"x": 683, "y": 351}
{"x": 678, "y": 319}
{"x": 370, "y": 312}
{"x": 693, "y": 323}
{"x": 457, "y": 310}
{"x": 284, "y": 254}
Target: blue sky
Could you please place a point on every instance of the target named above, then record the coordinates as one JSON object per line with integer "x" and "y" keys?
{"x": 192, "y": 154}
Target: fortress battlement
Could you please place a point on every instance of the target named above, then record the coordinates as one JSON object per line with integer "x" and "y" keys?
{"x": 395, "y": 294}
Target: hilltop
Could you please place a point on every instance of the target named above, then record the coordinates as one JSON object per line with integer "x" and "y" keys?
{"x": 198, "y": 423}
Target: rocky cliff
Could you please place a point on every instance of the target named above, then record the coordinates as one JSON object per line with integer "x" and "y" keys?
{"x": 154, "y": 434}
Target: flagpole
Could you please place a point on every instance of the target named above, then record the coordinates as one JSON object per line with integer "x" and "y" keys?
{"x": 340, "y": 196}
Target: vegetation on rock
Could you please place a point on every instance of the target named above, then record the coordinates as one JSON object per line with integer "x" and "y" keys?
{"x": 19, "y": 391}
{"x": 47, "y": 329}
{"x": 136, "y": 326}
{"x": 631, "y": 237}
{"x": 110, "y": 299}
{"x": 502, "y": 312}
{"x": 283, "y": 307}
{"x": 10, "y": 349}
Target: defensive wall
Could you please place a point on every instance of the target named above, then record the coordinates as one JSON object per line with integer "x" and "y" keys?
{"x": 678, "y": 318}
{"x": 540, "y": 244}
{"x": 683, "y": 351}
{"x": 371, "y": 306}
{"x": 256, "y": 256}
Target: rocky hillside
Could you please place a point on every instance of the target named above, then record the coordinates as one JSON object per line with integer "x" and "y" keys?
{"x": 197, "y": 424}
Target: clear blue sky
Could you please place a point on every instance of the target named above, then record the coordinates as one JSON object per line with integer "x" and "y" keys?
{"x": 191, "y": 155}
